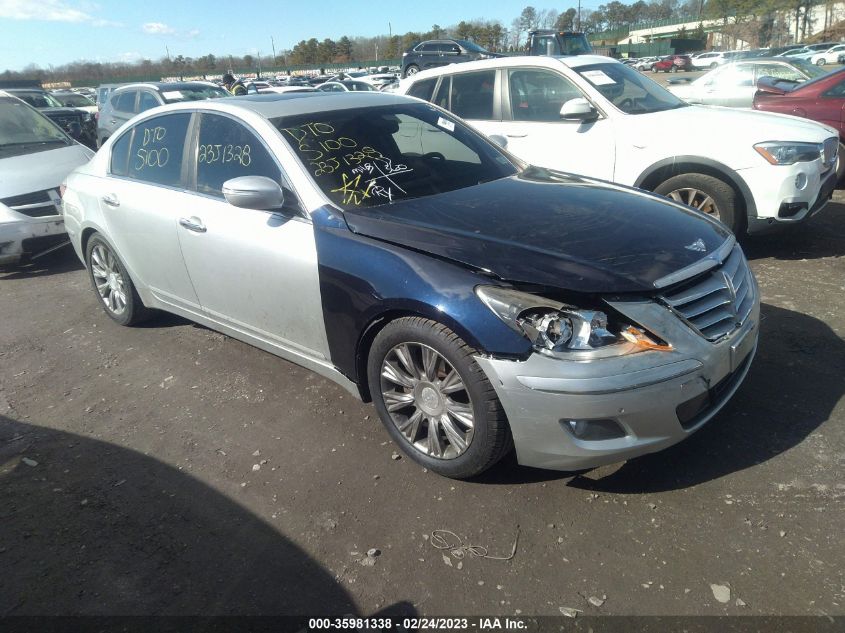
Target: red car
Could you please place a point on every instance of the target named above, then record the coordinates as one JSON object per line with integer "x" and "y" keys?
{"x": 672, "y": 64}
{"x": 821, "y": 100}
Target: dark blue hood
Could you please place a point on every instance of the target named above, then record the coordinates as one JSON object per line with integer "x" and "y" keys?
{"x": 550, "y": 229}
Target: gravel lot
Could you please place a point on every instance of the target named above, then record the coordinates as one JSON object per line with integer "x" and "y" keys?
{"x": 169, "y": 469}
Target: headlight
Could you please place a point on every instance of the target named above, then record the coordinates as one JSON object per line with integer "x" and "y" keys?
{"x": 783, "y": 153}
{"x": 554, "y": 327}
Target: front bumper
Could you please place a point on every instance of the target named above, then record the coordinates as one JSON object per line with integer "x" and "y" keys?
{"x": 20, "y": 239}
{"x": 657, "y": 398}
{"x": 779, "y": 202}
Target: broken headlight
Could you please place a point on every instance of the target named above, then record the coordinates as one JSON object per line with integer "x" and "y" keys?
{"x": 552, "y": 326}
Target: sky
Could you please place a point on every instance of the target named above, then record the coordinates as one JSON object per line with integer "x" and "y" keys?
{"x": 55, "y": 32}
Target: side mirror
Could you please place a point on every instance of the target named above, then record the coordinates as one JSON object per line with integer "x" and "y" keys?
{"x": 499, "y": 140}
{"x": 253, "y": 192}
{"x": 75, "y": 130}
{"x": 578, "y": 109}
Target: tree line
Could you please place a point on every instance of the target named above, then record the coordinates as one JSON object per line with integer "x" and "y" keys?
{"x": 751, "y": 20}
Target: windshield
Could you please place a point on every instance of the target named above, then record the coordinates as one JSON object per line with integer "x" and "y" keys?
{"x": 629, "y": 90}
{"x": 21, "y": 126}
{"x": 74, "y": 101}
{"x": 38, "y": 99}
{"x": 192, "y": 93}
{"x": 367, "y": 157}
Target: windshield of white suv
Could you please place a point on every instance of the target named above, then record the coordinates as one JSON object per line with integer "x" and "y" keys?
{"x": 629, "y": 90}
{"x": 366, "y": 157}
{"x": 23, "y": 130}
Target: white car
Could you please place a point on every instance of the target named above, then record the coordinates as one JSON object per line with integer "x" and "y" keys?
{"x": 35, "y": 157}
{"x": 645, "y": 63}
{"x": 830, "y": 56}
{"x": 708, "y": 60}
{"x": 594, "y": 116}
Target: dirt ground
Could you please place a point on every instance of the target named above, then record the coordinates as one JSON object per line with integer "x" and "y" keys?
{"x": 168, "y": 469}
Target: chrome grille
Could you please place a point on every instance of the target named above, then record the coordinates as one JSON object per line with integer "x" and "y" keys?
{"x": 831, "y": 147}
{"x": 718, "y": 302}
{"x": 38, "y": 204}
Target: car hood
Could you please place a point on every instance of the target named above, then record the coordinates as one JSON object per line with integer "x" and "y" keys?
{"x": 750, "y": 125}
{"x": 39, "y": 170}
{"x": 551, "y": 229}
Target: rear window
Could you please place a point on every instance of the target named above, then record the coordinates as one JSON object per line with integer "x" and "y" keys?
{"x": 192, "y": 93}
{"x": 367, "y": 157}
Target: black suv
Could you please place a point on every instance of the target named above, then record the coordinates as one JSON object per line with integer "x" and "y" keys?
{"x": 433, "y": 53}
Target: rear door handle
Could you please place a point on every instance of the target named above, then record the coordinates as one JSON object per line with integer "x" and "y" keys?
{"x": 516, "y": 135}
{"x": 111, "y": 200}
{"x": 193, "y": 224}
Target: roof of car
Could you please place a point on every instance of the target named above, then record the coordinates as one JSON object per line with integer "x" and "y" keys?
{"x": 272, "y": 105}
{"x": 164, "y": 85}
{"x": 572, "y": 61}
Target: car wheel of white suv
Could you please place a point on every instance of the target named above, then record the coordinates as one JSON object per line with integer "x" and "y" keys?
{"x": 707, "y": 194}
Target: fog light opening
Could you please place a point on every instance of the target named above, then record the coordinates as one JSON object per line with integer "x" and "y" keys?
{"x": 594, "y": 430}
{"x": 801, "y": 181}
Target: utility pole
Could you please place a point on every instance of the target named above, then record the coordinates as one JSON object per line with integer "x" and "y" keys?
{"x": 168, "y": 52}
{"x": 273, "y": 44}
{"x": 579, "y": 16}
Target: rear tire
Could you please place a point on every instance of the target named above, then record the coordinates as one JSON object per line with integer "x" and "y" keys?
{"x": 708, "y": 194}
{"x": 714, "y": 65}
{"x": 412, "y": 69}
{"x": 435, "y": 400}
{"x": 111, "y": 283}
{"x": 840, "y": 163}
{"x": 821, "y": 62}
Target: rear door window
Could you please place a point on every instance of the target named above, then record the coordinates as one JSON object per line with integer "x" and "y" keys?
{"x": 472, "y": 94}
{"x": 157, "y": 148}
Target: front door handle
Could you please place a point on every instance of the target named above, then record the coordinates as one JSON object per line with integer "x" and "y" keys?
{"x": 517, "y": 135}
{"x": 193, "y": 224}
{"x": 111, "y": 200}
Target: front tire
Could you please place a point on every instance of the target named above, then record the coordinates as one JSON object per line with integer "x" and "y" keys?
{"x": 821, "y": 62}
{"x": 840, "y": 163}
{"x": 708, "y": 194}
{"x": 112, "y": 285}
{"x": 714, "y": 65}
{"x": 654, "y": 69}
{"x": 435, "y": 400}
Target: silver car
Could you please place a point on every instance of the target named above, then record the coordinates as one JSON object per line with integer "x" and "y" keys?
{"x": 127, "y": 101}
{"x": 734, "y": 84}
{"x": 35, "y": 157}
{"x": 381, "y": 242}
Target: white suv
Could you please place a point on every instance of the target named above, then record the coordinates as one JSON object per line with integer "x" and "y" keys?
{"x": 594, "y": 116}
{"x": 708, "y": 60}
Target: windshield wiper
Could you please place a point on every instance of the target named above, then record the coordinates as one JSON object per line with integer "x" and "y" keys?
{"x": 24, "y": 143}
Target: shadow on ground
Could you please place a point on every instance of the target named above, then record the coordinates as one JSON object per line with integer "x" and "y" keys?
{"x": 96, "y": 529}
{"x": 821, "y": 236}
{"x": 55, "y": 263}
{"x": 797, "y": 378}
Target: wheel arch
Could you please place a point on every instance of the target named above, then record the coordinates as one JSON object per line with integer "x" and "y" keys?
{"x": 662, "y": 170}
{"x": 379, "y": 321}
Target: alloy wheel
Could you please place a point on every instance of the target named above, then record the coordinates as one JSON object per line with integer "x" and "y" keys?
{"x": 427, "y": 400}
{"x": 696, "y": 199}
{"x": 108, "y": 279}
